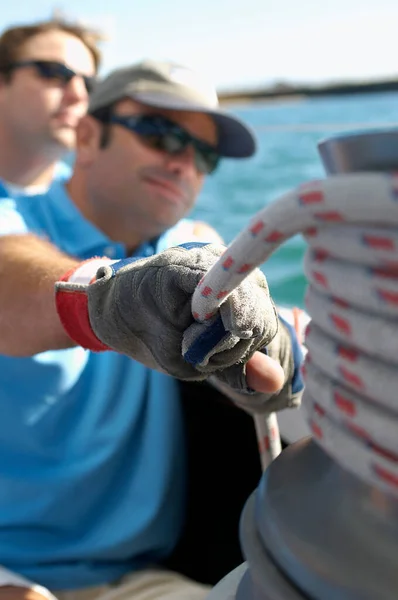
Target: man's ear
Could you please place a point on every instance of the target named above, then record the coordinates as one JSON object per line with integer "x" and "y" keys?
{"x": 88, "y": 138}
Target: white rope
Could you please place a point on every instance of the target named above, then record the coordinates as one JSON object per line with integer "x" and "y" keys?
{"x": 351, "y": 379}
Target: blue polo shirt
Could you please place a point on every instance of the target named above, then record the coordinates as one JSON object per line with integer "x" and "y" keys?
{"x": 91, "y": 444}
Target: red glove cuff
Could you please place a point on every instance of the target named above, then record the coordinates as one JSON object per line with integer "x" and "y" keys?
{"x": 72, "y": 303}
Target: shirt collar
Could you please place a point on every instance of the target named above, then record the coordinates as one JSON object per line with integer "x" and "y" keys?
{"x": 84, "y": 238}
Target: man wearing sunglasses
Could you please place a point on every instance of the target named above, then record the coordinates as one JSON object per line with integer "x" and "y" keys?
{"x": 93, "y": 461}
{"x": 46, "y": 73}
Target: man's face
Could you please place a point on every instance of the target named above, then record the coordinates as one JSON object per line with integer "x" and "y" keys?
{"x": 144, "y": 188}
{"x": 42, "y": 112}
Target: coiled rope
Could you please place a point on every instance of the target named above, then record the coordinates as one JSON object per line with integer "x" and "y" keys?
{"x": 351, "y": 378}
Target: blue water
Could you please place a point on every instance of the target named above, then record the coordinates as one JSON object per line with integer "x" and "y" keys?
{"x": 288, "y": 134}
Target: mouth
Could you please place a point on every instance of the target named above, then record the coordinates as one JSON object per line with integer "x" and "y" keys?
{"x": 167, "y": 188}
{"x": 66, "y": 119}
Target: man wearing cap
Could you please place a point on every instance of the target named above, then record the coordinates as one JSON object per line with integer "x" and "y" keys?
{"x": 92, "y": 462}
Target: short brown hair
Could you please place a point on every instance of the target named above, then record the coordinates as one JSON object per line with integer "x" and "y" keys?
{"x": 13, "y": 39}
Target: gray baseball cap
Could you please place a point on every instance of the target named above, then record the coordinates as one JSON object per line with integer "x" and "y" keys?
{"x": 172, "y": 86}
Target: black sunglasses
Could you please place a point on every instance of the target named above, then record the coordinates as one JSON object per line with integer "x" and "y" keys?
{"x": 51, "y": 69}
{"x": 160, "y": 133}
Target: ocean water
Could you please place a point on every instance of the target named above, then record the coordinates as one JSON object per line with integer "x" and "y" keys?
{"x": 288, "y": 134}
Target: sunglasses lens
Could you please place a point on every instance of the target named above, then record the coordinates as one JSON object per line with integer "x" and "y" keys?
{"x": 50, "y": 70}
{"x": 166, "y": 142}
{"x": 152, "y": 140}
{"x": 206, "y": 161}
{"x": 172, "y": 143}
{"x": 60, "y": 72}
{"x": 161, "y": 134}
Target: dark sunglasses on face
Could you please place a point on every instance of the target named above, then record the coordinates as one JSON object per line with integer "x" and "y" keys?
{"x": 159, "y": 133}
{"x": 50, "y": 69}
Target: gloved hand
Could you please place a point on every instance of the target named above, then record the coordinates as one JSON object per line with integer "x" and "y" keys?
{"x": 142, "y": 308}
{"x": 285, "y": 349}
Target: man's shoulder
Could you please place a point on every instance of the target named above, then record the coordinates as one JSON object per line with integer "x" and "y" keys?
{"x": 188, "y": 230}
{"x": 204, "y": 232}
{"x": 23, "y": 213}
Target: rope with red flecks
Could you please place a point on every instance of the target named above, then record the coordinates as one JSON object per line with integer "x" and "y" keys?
{"x": 351, "y": 378}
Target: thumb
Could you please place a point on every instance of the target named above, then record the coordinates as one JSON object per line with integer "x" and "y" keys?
{"x": 264, "y": 374}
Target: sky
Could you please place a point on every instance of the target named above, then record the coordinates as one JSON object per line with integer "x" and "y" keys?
{"x": 240, "y": 44}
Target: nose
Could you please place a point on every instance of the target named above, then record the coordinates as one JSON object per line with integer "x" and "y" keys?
{"x": 182, "y": 162}
{"x": 75, "y": 90}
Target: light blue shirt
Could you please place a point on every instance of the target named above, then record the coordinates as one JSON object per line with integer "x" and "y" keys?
{"x": 91, "y": 444}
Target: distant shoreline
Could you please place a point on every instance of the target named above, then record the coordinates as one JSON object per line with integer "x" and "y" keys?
{"x": 297, "y": 92}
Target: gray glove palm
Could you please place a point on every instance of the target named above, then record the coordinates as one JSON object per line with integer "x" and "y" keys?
{"x": 142, "y": 308}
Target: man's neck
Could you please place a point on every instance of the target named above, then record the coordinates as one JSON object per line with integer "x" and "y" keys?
{"x": 28, "y": 178}
{"x": 78, "y": 192}
{"x": 24, "y": 166}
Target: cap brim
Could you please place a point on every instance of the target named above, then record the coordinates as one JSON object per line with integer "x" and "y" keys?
{"x": 236, "y": 140}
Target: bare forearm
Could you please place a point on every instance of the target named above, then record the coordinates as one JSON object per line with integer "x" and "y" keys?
{"x": 29, "y": 322}
{"x": 19, "y": 593}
